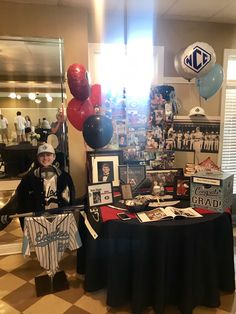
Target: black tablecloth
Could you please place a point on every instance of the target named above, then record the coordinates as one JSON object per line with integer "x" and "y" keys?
{"x": 182, "y": 262}
{"x": 18, "y": 158}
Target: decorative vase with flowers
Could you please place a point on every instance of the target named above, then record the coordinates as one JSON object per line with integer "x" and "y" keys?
{"x": 34, "y": 138}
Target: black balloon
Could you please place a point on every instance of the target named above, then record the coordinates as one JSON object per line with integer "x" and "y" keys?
{"x": 97, "y": 131}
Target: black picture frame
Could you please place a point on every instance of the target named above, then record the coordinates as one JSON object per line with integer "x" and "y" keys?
{"x": 95, "y": 162}
{"x": 164, "y": 176}
{"x": 131, "y": 174}
{"x": 100, "y": 194}
{"x": 182, "y": 187}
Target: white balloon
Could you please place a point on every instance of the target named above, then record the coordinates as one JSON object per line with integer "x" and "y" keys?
{"x": 198, "y": 59}
{"x": 179, "y": 66}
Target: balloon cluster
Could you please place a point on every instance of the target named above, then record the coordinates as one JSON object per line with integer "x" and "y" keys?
{"x": 198, "y": 61}
{"x": 97, "y": 129}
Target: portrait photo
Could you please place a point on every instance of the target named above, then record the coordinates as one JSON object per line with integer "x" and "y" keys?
{"x": 122, "y": 140}
{"x": 105, "y": 171}
{"x": 103, "y": 166}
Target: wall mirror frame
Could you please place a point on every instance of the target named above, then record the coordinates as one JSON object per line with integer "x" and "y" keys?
{"x": 32, "y": 81}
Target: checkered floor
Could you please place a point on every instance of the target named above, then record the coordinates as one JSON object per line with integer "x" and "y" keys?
{"x": 18, "y": 293}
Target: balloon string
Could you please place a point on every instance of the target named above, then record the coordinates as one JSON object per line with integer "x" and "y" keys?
{"x": 199, "y": 93}
{"x": 200, "y": 100}
{"x": 190, "y": 93}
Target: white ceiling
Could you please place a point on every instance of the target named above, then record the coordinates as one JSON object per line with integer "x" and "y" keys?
{"x": 222, "y": 11}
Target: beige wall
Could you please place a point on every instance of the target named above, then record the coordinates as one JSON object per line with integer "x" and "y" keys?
{"x": 72, "y": 25}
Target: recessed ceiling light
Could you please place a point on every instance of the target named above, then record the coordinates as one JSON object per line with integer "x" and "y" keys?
{"x": 12, "y": 95}
{"x": 32, "y": 96}
{"x": 49, "y": 98}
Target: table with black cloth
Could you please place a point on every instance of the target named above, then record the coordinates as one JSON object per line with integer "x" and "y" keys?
{"x": 18, "y": 158}
{"x": 185, "y": 262}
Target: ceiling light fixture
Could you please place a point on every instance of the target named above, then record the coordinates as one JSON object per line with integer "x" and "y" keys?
{"x": 49, "y": 98}
{"x": 32, "y": 96}
{"x": 38, "y": 101}
{"x": 12, "y": 95}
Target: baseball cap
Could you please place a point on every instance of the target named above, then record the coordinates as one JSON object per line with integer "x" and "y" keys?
{"x": 45, "y": 148}
{"x": 197, "y": 111}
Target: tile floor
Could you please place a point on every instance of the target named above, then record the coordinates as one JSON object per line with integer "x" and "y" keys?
{"x": 18, "y": 291}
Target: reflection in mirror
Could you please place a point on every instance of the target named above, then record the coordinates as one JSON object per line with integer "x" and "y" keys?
{"x": 32, "y": 87}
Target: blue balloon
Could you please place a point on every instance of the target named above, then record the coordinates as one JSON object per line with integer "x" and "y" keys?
{"x": 209, "y": 84}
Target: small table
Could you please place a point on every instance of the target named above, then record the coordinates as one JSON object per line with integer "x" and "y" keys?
{"x": 18, "y": 158}
{"x": 183, "y": 262}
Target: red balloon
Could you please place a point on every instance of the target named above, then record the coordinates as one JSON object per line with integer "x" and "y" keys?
{"x": 78, "y": 81}
{"x": 96, "y": 96}
{"x": 78, "y": 111}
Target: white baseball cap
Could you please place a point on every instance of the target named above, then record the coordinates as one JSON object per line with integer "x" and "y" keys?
{"x": 197, "y": 111}
{"x": 45, "y": 148}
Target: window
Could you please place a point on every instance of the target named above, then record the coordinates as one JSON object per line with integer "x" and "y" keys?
{"x": 116, "y": 66}
{"x": 228, "y": 115}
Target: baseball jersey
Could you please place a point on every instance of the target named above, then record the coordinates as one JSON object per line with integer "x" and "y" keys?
{"x": 50, "y": 239}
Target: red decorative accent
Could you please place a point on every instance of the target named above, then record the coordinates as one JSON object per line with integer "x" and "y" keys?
{"x": 78, "y": 111}
{"x": 96, "y": 95}
{"x": 78, "y": 81}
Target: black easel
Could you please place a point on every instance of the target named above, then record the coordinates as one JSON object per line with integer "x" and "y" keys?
{"x": 45, "y": 284}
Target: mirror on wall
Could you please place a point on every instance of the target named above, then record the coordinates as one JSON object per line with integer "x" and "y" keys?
{"x": 32, "y": 84}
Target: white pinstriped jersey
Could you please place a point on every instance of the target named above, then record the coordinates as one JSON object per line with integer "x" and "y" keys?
{"x": 50, "y": 239}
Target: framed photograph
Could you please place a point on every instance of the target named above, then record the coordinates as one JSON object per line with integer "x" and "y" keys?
{"x": 103, "y": 166}
{"x": 126, "y": 191}
{"x": 182, "y": 187}
{"x": 122, "y": 140}
{"x": 200, "y": 134}
{"x": 132, "y": 174}
{"x": 164, "y": 176}
{"x": 100, "y": 194}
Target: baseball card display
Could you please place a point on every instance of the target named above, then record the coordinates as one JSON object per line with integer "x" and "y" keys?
{"x": 50, "y": 239}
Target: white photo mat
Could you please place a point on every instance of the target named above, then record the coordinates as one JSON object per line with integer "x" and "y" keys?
{"x": 114, "y": 159}
{"x": 100, "y": 194}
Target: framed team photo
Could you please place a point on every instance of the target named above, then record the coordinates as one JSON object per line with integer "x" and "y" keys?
{"x": 103, "y": 166}
{"x": 195, "y": 134}
{"x": 100, "y": 194}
